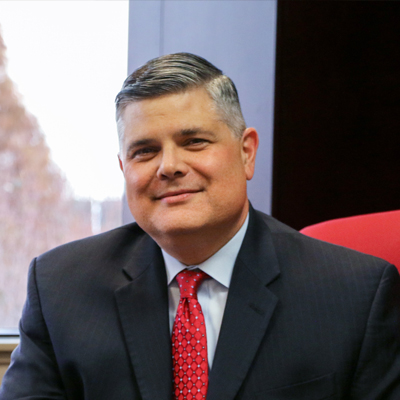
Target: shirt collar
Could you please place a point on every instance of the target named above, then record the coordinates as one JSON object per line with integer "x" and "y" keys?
{"x": 225, "y": 256}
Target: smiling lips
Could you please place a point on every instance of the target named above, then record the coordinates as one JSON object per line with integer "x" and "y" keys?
{"x": 176, "y": 196}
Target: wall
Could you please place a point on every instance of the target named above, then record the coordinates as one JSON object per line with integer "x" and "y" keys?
{"x": 7, "y": 345}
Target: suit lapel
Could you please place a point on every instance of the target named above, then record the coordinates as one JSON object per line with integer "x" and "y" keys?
{"x": 143, "y": 310}
{"x": 248, "y": 311}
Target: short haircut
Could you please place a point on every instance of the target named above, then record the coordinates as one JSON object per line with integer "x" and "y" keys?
{"x": 177, "y": 73}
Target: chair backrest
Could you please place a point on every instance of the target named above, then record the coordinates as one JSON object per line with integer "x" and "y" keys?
{"x": 377, "y": 234}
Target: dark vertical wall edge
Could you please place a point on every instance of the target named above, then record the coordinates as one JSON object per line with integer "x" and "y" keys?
{"x": 277, "y": 103}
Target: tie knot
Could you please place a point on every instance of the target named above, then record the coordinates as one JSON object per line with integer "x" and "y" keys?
{"x": 189, "y": 281}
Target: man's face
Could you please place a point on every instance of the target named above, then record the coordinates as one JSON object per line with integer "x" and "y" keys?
{"x": 185, "y": 171}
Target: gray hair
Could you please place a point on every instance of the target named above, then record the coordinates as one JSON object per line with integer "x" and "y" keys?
{"x": 176, "y": 73}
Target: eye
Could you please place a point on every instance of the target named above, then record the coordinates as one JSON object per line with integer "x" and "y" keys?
{"x": 144, "y": 153}
{"x": 196, "y": 142}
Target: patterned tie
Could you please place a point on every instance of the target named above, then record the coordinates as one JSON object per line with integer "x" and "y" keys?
{"x": 189, "y": 341}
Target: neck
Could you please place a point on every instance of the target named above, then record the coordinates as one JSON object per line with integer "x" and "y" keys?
{"x": 193, "y": 248}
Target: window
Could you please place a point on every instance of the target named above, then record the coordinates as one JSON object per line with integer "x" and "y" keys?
{"x": 61, "y": 65}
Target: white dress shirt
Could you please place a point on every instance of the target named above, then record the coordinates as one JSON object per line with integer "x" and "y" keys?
{"x": 212, "y": 293}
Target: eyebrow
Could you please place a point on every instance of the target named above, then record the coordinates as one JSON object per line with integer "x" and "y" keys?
{"x": 193, "y": 131}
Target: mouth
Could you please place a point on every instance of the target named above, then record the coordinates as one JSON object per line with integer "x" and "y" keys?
{"x": 177, "y": 195}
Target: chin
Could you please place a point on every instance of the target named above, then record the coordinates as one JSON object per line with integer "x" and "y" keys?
{"x": 184, "y": 223}
{"x": 174, "y": 228}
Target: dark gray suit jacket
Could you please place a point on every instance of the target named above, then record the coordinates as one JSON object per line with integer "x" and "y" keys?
{"x": 303, "y": 320}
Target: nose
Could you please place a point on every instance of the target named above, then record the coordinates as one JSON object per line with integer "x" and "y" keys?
{"x": 172, "y": 164}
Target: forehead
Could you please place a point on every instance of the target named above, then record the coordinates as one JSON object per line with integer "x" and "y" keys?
{"x": 194, "y": 106}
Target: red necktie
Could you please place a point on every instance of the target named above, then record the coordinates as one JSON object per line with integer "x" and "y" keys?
{"x": 189, "y": 341}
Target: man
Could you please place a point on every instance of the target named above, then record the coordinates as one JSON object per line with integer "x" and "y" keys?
{"x": 276, "y": 316}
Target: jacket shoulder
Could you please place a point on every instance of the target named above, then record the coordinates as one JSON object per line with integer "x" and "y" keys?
{"x": 294, "y": 241}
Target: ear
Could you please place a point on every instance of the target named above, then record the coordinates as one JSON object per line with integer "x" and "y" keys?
{"x": 121, "y": 164}
{"x": 249, "y": 151}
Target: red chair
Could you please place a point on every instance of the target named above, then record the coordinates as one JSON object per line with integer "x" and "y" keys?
{"x": 377, "y": 234}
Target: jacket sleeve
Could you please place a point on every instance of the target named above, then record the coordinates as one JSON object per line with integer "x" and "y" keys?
{"x": 377, "y": 375}
{"x": 33, "y": 373}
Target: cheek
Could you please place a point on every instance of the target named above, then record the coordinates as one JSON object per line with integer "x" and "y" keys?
{"x": 226, "y": 166}
{"x": 226, "y": 178}
{"x": 137, "y": 179}
{"x": 220, "y": 159}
